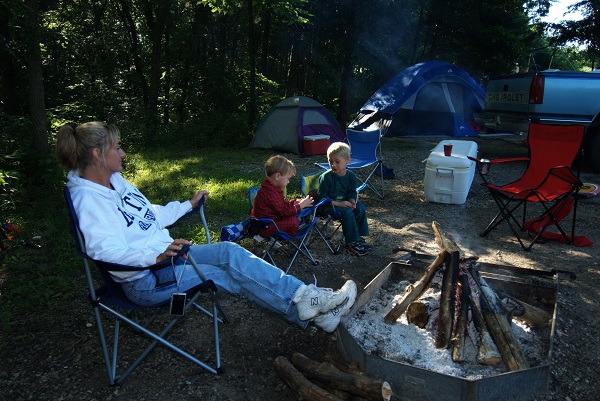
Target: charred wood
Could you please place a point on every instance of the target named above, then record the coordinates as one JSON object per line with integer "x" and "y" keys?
{"x": 446, "y": 314}
{"x": 415, "y": 291}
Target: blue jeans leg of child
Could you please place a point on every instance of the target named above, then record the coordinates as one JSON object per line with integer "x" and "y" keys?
{"x": 360, "y": 216}
{"x": 349, "y": 226}
{"x": 234, "y": 270}
{"x": 354, "y": 222}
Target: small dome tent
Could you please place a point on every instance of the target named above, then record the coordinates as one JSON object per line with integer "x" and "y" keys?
{"x": 432, "y": 98}
{"x": 289, "y": 121}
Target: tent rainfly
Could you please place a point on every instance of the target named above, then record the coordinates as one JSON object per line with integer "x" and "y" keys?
{"x": 289, "y": 121}
{"x": 432, "y": 98}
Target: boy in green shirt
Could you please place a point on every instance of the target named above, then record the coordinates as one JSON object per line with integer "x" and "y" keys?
{"x": 339, "y": 185}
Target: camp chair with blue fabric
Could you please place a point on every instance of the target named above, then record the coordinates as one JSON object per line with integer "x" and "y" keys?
{"x": 291, "y": 246}
{"x": 548, "y": 182}
{"x": 329, "y": 219}
{"x": 110, "y": 300}
{"x": 366, "y": 158}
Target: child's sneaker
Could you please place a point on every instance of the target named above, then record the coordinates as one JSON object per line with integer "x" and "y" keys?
{"x": 316, "y": 300}
{"x": 364, "y": 243}
{"x": 356, "y": 249}
{"x": 330, "y": 320}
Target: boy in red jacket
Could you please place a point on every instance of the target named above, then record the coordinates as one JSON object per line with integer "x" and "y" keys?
{"x": 270, "y": 200}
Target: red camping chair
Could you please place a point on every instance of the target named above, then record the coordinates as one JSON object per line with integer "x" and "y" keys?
{"x": 547, "y": 181}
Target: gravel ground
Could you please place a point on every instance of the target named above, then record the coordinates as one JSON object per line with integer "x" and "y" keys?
{"x": 59, "y": 359}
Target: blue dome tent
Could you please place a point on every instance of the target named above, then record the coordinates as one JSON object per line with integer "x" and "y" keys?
{"x": 432, "y": 98}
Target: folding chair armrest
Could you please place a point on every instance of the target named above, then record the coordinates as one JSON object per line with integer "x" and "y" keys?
{"x": 484, "y": 165}
{"x": 497, "y": 161}
{"x": 564, "y": 173}
{"x": 307, "y": 211}
{"x": 155, "y": 267}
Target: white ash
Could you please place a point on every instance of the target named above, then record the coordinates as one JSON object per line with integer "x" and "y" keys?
{"x": 407, "y": 343}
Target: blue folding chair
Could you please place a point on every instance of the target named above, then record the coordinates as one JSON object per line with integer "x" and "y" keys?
{"x": 365, "y": 157}
{"x": 291, "y": 246}
{"x": 110, "y": 299}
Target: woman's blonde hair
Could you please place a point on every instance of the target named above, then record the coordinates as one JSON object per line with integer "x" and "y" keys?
{"x": 74, "y": 145}
{"x": 279, "y": 164}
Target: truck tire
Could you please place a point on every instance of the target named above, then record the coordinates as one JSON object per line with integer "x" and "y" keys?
{"x": 592, "y": 152}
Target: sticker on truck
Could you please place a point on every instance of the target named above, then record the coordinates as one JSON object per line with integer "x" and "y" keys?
{"x": 507, "y": 97}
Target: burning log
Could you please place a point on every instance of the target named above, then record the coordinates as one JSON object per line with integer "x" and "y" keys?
{"x": 415, "y": 291}
{"x": 458, "y": 340}
{"x": 499, "y": 327}
{"x": 356, "y": 384}
{"x": 300, "y": 384}
{"x": 446, "y": 315}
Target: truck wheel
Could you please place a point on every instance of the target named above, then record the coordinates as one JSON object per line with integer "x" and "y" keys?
{"x": 592, "y": 152}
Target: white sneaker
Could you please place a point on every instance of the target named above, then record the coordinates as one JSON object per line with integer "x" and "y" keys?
{"x": 316, "y": 301}
{"x": 330, "y": 320}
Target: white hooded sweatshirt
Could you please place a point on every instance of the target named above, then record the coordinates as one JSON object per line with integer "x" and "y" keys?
{"x": 121, "y": 225}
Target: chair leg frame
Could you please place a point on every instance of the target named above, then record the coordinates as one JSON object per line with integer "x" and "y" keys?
{"x": 111, "y": 362}
{"x": 299, "y": 248}
{"x": 367, "y": 182}
{"x": 327, "y": 236}
{"x": 507, "y": 214}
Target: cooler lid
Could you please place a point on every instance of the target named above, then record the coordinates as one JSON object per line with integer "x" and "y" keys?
{"x": 315, "y": 137}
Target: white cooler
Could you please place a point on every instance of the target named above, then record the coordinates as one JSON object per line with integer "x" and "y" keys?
{"x": 449, "y": 178}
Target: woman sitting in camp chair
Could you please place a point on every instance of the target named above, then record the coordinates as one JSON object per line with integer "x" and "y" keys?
{"x": 120, "y": 225}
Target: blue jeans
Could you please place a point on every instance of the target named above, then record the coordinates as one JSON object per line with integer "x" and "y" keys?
{"x": 354, "y": 222}
{"x": 233, "y": 269}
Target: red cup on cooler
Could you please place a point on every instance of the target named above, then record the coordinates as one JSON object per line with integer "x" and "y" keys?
{"x": 448, "y": 150}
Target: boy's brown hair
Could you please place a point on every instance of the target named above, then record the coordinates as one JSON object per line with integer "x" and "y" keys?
{"x": 279, "y": 164}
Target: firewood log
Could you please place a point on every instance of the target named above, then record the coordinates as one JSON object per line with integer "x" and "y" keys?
{"x": 499, "y": 327}
{"x": 458, "y": 340}
{"x": 416, "y": 290}
{"x": 362, "y": 386}
{"x": 447, "y": 296}
{"x": 445, "y": 243}
{"x": 417, "y": 313}
{"x": 487, "y": 352}
{"x": 303, "y": 387}
{"x": 528, "y": 313}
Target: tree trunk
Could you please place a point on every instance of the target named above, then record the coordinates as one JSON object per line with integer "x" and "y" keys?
{"x": 135, "y": 49}
{"x": 266, "y": 37}
{"x": 37, "y": 104}
{"x": 8, "y": 78}
{"x": 252, "y": 53}
{"x": 157, "y": 25}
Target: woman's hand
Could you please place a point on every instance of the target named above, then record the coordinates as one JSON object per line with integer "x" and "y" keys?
{"x": 173, "y": 249}
{"x": 198, "y": 196}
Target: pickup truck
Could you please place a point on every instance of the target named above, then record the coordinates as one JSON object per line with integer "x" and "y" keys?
{"x": 547, "y": 97}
